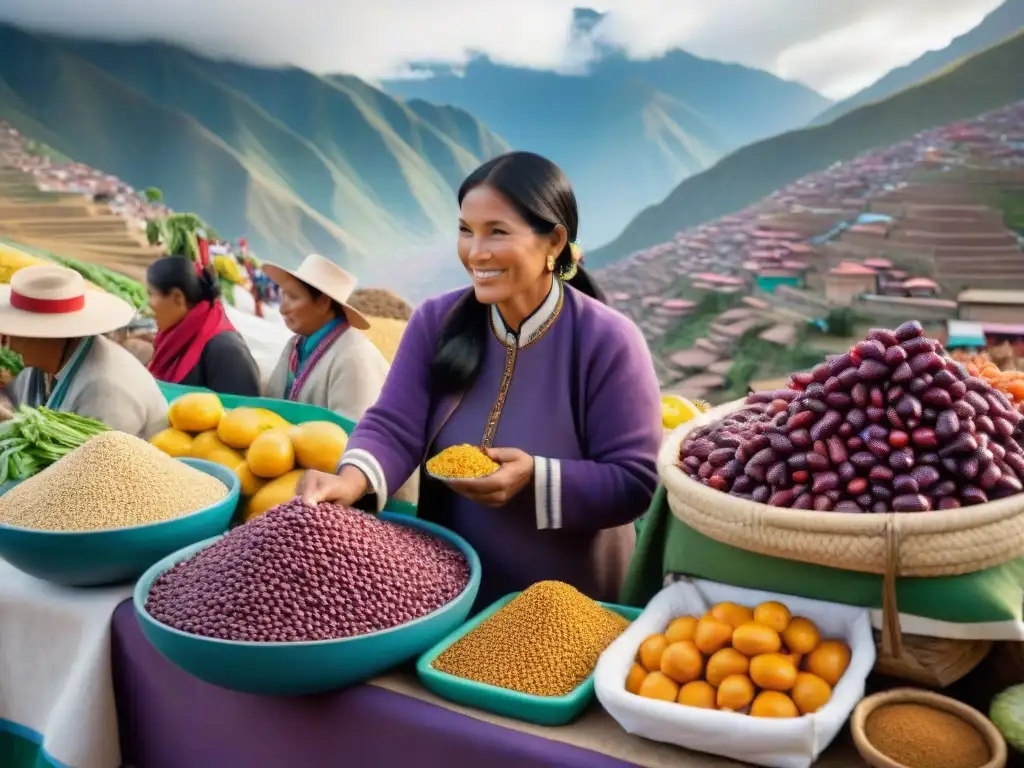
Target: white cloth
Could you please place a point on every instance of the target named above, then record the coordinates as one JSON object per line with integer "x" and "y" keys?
{"x": 266, "y": 338}
{"x": 785, "y": 743}
{"x": 55, "y": 671}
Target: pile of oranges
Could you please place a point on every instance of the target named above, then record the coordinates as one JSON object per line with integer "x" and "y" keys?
{"x": 1010, "y": 383}
{"x": 763, "y": 661}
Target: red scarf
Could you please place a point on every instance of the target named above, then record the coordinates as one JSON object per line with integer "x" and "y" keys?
{"x": 176, "y": 350}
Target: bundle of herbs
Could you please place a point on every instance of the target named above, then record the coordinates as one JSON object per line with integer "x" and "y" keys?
{"x": 37, "y": 437}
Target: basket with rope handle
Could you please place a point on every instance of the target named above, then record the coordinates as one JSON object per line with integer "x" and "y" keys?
{"x": 905, "y": 544}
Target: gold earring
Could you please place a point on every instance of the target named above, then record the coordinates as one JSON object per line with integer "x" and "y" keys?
{"x": 551, "y": 263}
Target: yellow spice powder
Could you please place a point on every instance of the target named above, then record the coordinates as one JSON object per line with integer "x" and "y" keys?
{"x": 461, "y": 462}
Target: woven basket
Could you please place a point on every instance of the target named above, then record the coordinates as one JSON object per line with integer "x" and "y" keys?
{"x": 904, "y": 544}
{"x": 925, "y": 544}
{"x": 934, "y": 662}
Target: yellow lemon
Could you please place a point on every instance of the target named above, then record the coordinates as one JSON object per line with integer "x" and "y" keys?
{"x": 676, "y": 410}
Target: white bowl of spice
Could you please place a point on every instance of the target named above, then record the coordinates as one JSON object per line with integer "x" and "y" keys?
{"x": 911, "y": 728}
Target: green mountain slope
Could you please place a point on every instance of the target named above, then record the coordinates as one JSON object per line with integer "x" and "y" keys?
{"x": 1005, "y": 21}
{"x": 295, "y": 162}
{"x": 983, "y": 82}
{"x": 627, "y": 131}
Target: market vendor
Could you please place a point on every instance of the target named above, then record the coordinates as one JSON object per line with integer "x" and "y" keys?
{"x": 329, "y": 363}
{"x": 196, "y": 344}
{"x": 57, "y": 326}
{"x": 531, "y": 361}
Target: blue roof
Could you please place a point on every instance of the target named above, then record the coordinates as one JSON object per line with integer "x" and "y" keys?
{"x": 873, "y": 218}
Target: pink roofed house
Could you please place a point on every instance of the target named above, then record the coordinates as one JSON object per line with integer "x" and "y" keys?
{"x": 847, "y": 281}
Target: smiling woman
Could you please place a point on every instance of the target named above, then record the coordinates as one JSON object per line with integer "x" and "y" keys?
{"x": 530, "y": 364}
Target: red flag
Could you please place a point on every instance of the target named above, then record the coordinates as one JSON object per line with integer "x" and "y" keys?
{"x": 204, "y": 252}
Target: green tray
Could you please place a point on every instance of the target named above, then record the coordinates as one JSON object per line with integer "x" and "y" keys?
{"x": 542, "y": 710}
{"x": 294, "y": 413}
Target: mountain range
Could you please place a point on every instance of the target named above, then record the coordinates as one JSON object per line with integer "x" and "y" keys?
{"x": 625, "y": 131}
{"x": 1003, "y": 22}
{"x": 982, "y": 82}
{"x": 296, "y": 162}
{"x": 367, "y": 175}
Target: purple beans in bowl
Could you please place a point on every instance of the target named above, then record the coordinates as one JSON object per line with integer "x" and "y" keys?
{"x": 892, "y": 425}
{"x": 303, "y": 600}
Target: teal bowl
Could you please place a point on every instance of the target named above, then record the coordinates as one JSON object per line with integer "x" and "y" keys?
{"x": 293, "y": 669}
{"x": 98, "y": 558}
{"x": 542, "y": 710}
{"x": 5, "y": 487}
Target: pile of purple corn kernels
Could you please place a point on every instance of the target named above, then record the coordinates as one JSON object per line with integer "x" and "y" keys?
{"x": 893, "y": 425}
{"x": 298, "y": 573}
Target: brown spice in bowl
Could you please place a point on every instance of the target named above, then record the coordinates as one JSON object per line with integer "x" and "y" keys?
{"x": 920, "y": 736}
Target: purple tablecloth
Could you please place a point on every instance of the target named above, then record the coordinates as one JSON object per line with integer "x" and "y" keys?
{"x": 169, "y": 719}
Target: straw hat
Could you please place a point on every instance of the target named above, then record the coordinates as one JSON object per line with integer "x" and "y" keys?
{"x": 51, "y": 302}
{"x": 328, "y": 278}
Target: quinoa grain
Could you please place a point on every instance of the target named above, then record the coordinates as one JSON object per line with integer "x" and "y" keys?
{"x": 462, "y": 462}
{"x": 544, "y": 642}
{"x": 113, "y": 481}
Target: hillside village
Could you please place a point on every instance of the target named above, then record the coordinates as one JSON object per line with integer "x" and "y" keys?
{"x": 65, "y": 207}
{"x": 916, "y": 230}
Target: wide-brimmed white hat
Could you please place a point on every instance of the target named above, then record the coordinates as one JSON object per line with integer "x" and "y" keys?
{"x": 51, "y": 302}
{"x": 328, "y": 278}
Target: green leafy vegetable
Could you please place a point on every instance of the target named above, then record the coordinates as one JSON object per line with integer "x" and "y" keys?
{"x": 37, "y": 437}
{"x": 11, "y": 361}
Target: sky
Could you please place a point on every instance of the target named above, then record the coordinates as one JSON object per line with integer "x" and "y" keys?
{"x": 835, "y": 46}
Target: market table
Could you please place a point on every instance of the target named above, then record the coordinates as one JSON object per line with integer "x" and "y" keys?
{"x": 170, "y": 719}
{"x": 56, "y": 698}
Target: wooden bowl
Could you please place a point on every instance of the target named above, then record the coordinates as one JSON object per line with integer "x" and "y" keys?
{"x": 874, "y": 758}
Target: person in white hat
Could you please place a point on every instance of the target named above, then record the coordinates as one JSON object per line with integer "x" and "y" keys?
{"x": 50, "y": 318}
{"x": 329, "y": 363}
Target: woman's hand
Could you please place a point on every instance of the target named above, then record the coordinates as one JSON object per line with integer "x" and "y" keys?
{"x": 344, "y": 489}
{"x": 514, "y": 473}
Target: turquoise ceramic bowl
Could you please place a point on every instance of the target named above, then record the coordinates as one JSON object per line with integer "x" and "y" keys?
{"x": 542, "y": 710}
{"x": 95, "y": 558}
{"x": 291, "y": 669}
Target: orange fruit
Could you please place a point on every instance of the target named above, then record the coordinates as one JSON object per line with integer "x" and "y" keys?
{"x": 732, "y": 614}
{"x": 735, "y": 693}
{"x": 773, "y": 704}
{"x": 829, "y": 660}
{"x": 697, "y": 694}
{"x": 773, "y": 671}
{"x": 801, "y": 636}
{"x": 794, "y": 657}
{"x": 711, "y": 634}
{"x": 753, "y": 639}
{"x": 658, "y": 686}
{"x": 773, "y": 614}
{"x": 725, "y": 662}
{"x": 681, "y": 629}
{"x": 810, "y": 693}
{"x": 651, "y": 650}
{"x": 682, "y": 662}
{"x": 635, "y": 677}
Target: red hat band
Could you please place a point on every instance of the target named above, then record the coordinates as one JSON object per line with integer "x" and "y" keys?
{"x": 47, "y": 306}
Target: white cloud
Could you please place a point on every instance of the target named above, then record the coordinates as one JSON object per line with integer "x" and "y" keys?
{"x": 835, "y": 46}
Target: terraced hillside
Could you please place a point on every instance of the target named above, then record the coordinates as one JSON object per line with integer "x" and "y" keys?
{"x": 986, "y": 81}
{"x": 70, "y": 226}
{"x": 292, "y": 161}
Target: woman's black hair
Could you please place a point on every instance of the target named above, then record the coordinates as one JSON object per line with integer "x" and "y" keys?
{"x": 316, "y": 293}
{"x": 540, "y": 192}
{"x": 170, "y": 272}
